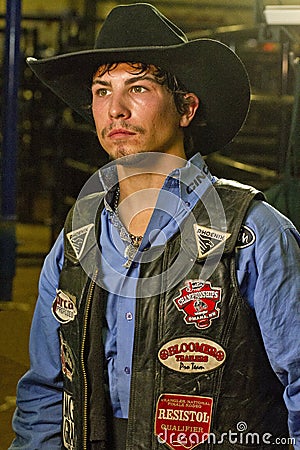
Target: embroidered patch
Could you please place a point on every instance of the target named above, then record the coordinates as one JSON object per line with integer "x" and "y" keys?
{"x": 67, "y": 359}
{"x": 191, "y": 355}
{"x": 208, "y": 240}
{"x": 68, "y": 425}
{"x": 198, "y": 301}
{"x": 182, "y": 421}
{"x": 63, "y": 308}
{"x": 246, "y": 237}
{"x": 78, "y": 239}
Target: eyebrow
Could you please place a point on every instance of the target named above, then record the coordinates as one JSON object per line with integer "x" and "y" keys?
{"x": 127, "y": 82}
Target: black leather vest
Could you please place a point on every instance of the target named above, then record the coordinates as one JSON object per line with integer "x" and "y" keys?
{"x": 200, "y": 377}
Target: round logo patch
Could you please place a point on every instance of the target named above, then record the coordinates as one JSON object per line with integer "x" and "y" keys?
{"x": 63, "y": 308}
{"x": 191, "y": 355}
{"x": 246, "y": 237}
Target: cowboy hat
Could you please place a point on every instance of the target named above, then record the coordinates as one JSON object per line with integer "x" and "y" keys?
{"x": 140, "y": 33}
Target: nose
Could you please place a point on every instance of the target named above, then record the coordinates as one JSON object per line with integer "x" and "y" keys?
{"x": 119, "y": 107}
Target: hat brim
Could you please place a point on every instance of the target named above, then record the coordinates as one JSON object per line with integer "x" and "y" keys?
{"x": 206, "y": 67}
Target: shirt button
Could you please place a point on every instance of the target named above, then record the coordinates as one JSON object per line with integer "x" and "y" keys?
{"x": 127, "y": 370}
{"x": 128, "y": 316}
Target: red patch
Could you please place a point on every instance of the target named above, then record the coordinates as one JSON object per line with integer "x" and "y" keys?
{"x": 183, "y": 421}
{"x": 198, "y": 301}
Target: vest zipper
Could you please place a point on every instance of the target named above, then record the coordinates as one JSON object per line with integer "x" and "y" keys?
{"x": 85, "y": 383}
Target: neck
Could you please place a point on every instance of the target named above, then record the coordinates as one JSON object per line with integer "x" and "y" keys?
{"x": 140, "y": 184}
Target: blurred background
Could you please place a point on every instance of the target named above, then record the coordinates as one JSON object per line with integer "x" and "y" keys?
{"x": 47, "y": 152}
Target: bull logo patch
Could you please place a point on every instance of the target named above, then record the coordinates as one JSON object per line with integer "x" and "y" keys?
{"x": 198, "y": 301}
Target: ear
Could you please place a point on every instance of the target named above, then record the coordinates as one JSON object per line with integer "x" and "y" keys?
{"x": 192, "y": 104}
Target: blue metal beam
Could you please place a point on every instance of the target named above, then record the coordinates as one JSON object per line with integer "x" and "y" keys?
{"x": 10, "y": 108}
{"x": 11, "y": 69}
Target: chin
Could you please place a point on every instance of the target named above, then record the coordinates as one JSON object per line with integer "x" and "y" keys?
{"x": 138, "y": 159}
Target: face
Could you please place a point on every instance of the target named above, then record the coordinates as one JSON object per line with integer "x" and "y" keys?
{"x": 133, "y": 114}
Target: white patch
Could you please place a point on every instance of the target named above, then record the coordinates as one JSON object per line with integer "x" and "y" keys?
{"x": 63, "y": 308}
{"x": 78, "y": 239}
{"x": 208, "y": 239}
{"x": 191, "y": 355}
{"x": 68, "y": 428}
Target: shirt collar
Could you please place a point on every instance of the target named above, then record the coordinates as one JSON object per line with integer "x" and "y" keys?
{"x": 109, "y": 177}
{"x": 189, "y": 176}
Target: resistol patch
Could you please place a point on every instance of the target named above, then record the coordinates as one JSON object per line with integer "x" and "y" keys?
{"x": 198, "y": 301}
{"x": 63, "y": 308}
{"x": 182, "y": 422}
{"x": 209, "y": 240}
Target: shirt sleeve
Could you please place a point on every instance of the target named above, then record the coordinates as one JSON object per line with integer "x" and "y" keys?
{"x": 270, "y": 281}
{"x": 37, "y": 418}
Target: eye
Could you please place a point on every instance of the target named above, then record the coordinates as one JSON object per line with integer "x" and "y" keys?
{"x": 138, "y": 89}
{"x": 101, "y": 92}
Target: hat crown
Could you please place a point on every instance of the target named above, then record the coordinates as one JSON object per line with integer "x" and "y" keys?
{"x": 138, "y": 25}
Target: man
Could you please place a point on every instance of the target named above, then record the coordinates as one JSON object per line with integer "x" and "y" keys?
{"x": 168, "y": 313}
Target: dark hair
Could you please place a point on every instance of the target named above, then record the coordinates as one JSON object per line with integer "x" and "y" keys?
{"x": 172, "y": 83}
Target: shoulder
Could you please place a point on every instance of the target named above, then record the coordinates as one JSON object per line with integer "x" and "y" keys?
{"x": 84, "y": 211}
{"x": 49, "y": 276}
{"x": 270, "y": 226}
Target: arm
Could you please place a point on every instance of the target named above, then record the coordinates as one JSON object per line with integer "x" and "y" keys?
{"x": 271, "y": 284}
{"x": 38, "y": 416}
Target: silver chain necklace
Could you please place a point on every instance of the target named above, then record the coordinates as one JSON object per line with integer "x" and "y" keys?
{"x": 133, "y": 241}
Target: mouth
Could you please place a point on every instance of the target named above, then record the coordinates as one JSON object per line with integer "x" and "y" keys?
{"x": 119, "y": 133}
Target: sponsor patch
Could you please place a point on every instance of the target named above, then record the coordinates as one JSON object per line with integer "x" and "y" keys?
{"x": 78, "y": 239}
{"x": 209, "y": 240}
{"x": 67, "y": 359}
{"x": 246, "y": 237}
{"x": 63, "y": 308}
{"x": 68, "y": 429}
{"x": 182, "y": 422}
{"x": 191, "y": 355}
{"x": 198, "y": 301}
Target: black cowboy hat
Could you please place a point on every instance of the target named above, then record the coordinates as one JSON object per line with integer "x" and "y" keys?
{"x": 140, "y": 33}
